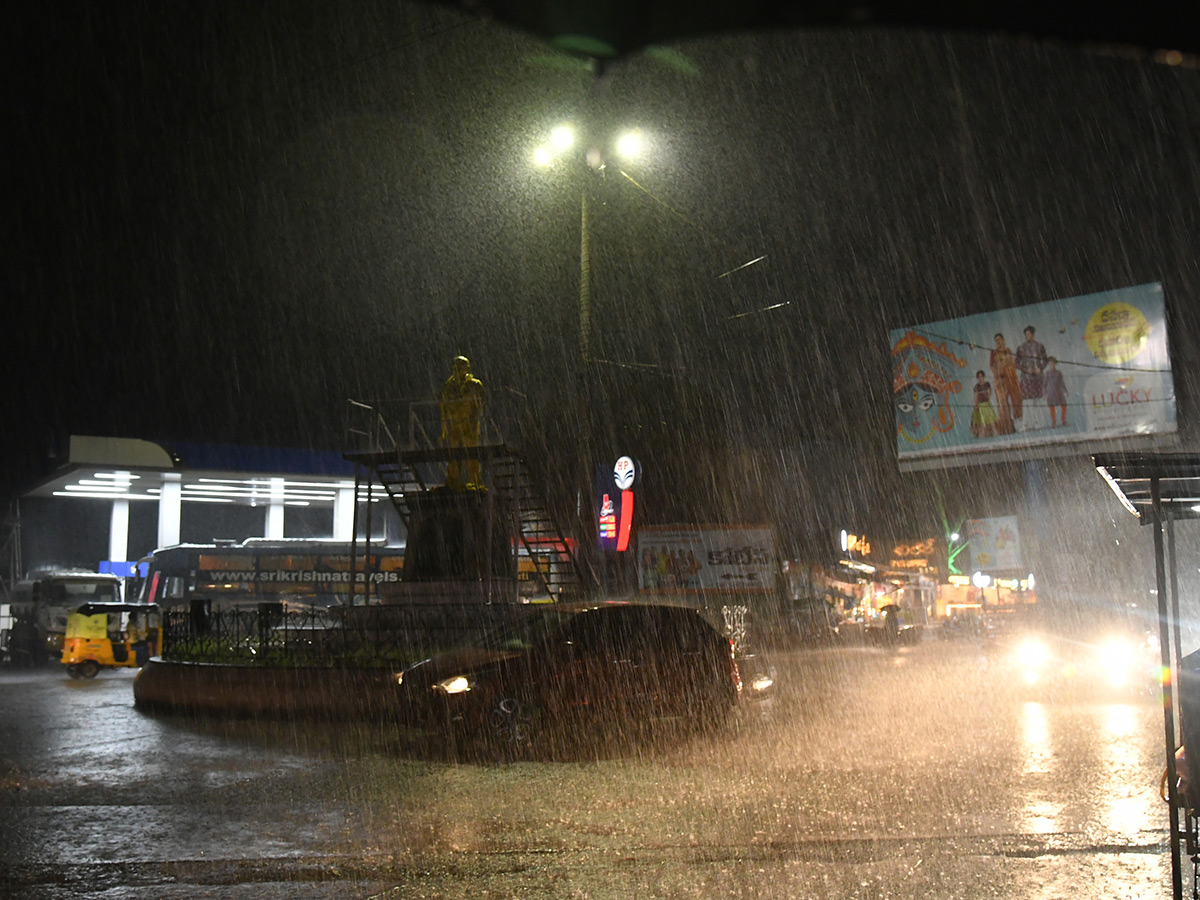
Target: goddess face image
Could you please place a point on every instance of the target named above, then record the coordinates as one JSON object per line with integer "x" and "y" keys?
{"x": 916, "y": 414}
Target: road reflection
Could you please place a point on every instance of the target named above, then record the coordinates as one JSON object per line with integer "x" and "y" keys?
{"x": 1127, "y": 811}
{"x": 1040, "y": 814}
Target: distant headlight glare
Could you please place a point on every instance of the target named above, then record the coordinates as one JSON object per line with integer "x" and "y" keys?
{"x": 1033, "y": 653}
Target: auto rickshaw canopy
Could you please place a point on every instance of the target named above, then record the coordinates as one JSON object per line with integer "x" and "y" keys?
{"x": 90, "y": 621}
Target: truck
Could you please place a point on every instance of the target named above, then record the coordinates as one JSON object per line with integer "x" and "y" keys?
{"x": 41, "y": 603}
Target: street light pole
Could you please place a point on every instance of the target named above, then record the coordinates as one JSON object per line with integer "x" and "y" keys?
{"x": 554, "y": 151}
{"x": 585, "y": 283}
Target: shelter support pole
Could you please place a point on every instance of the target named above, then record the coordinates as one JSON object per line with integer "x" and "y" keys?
{"x": 354, "y": 533}
{"x": 1188, "y": 823}
{"x": 367, "y": 547}
{"x": 1173, "y": 571}
{"x": 1168, "y": 686}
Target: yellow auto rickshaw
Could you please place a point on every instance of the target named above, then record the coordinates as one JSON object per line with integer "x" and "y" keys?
{"x": 112, "y": 635}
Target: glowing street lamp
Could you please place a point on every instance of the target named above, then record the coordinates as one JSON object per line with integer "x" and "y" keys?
{"x": 557, "y": 149}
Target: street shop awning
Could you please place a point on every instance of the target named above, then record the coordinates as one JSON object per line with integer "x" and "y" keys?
{"x": 1161, "y": 489}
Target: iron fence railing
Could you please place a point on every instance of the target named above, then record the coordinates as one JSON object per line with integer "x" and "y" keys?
{"x": 273, "y": 635}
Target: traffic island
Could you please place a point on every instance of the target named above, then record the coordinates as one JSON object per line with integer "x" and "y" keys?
{"x": 326, "y": 692}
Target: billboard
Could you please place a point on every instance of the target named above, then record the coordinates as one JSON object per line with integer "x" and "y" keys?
{"x": 702, "y": 558}
{"x": 995, "y": 544}
{"x": 1064, "y": 371}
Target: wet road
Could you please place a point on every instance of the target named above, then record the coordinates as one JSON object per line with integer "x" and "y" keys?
{"x": 917, "y": 774}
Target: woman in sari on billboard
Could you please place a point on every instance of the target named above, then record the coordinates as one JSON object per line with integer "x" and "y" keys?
{"x": 1008, "y": 386}
{"x": 923, "y": 378}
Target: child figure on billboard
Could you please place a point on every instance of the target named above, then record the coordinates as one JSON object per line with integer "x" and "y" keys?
{"x": 983, "y": 417}
{"x": 1056, "y": 391}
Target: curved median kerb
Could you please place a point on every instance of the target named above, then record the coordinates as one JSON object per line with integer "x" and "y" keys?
{"x": 255, "y": 690}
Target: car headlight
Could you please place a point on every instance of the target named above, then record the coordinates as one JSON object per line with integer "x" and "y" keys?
{"x": 1033, "y": 653}
{"x": 761, "y": 683}
{"x": 1117, "y": 660}
{"x": 459, "y": 684}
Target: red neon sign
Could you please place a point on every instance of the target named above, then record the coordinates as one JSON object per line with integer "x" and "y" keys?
{"x": 626, "y": 525}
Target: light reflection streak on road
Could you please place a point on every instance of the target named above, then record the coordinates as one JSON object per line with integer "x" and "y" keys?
{"x": 1040, "y": 813}
{"x": 1128, "y": 810}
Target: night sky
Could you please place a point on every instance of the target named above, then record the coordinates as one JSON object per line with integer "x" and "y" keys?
{"x": 228, "y": 221}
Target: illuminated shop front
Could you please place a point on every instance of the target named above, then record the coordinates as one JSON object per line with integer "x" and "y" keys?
{"x": 980, "y": 591}
{"x": 903, "y": 574}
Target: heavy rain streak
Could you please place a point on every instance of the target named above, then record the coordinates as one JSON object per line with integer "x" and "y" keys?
{"x": 723, "y": 258}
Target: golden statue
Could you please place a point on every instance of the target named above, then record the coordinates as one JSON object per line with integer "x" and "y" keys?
{"x": 462, "y": 412}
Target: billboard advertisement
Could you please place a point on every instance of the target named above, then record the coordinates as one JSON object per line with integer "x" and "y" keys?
{"x": 1063, "y": 371}
{"x": 995, "y": 544}
{"x": 701, "y": 558}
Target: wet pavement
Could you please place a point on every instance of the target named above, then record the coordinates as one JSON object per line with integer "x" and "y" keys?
{"x": 922, "y": 773}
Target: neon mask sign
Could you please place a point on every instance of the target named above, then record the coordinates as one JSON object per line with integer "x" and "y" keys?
{"x": 614, "y": 501}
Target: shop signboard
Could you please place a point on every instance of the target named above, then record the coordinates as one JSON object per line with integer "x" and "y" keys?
{"x": 1033, "y": 378}
{"x": 614, "y": 503}
{"x": 994, "y": 544}
{"x": 706, "y": 558}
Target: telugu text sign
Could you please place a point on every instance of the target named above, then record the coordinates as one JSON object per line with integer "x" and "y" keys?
{"x": 702, "y": 559}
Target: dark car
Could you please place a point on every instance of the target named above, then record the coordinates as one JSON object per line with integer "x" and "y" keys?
{"x": 576, "y": 672}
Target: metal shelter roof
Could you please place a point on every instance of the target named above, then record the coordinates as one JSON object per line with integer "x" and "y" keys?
{"x": 1136, "y": 477}
{"x": 1161, "y": 488}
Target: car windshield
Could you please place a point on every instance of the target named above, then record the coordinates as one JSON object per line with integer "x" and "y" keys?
{"x": 524, "y": 631}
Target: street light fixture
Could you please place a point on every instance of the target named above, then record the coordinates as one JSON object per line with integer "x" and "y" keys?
{"x": 556, "y": 150}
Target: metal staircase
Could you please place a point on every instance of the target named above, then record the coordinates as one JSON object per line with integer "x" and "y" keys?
{"x": 407, "y": 475}
{"x": 557, "y": 566}
{"x": 400, "y": 479}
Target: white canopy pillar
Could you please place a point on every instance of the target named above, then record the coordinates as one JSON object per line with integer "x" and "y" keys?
{"x": 343, "y": 514}
{"x": 118, "y": 531}
{"x": 275, "y": 511}
{"x": 169, "y": 509}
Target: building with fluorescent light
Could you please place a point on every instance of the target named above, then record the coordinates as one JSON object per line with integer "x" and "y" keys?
{"x": 114, "y": 500}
